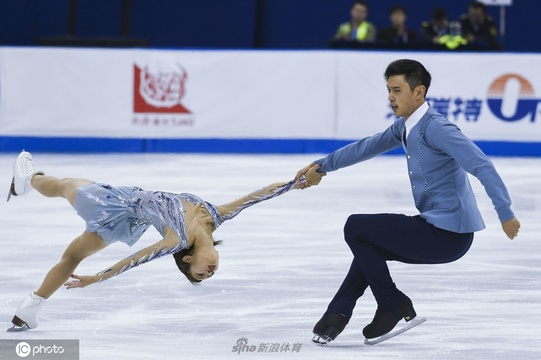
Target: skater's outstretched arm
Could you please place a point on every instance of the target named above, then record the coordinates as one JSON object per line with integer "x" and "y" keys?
{"x": 169, "y": 245}
{"x": 230, "y": 210}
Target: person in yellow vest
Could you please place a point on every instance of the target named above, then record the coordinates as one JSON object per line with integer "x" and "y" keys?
{"x": 358, "y": 29}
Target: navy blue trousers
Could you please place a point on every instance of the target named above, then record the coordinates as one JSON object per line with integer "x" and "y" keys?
{"x": 374, "y": 239}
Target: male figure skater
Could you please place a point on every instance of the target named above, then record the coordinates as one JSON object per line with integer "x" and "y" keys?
{"x": 438, "y": 156}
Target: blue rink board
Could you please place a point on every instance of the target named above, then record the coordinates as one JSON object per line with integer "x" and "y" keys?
{"x": 238, "y": 146}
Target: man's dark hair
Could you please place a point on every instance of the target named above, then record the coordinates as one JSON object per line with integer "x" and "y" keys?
{"x": 414, "y": 73}
{"x": 439, "y": 14}
{"x": 478, "y": 5}
{"x": 360, "y": 2}
{"x": 396, "y": 8}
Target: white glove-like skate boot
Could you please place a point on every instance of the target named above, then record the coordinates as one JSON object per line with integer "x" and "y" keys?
{"x": 27, "y": 312}
{"x": 23, "y": 170}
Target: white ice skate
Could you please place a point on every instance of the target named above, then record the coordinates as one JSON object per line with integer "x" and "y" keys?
{"x": 26, "y": 316}
{"x": 23, "y": 170}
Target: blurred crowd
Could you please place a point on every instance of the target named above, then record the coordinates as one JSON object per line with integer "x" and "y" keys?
{"x": 475, "y": 29}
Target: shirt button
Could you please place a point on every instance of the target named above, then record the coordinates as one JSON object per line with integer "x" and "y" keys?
{"x": 409, "y": 157}
{"x": 411, "y": 172}
{"x": 413, "y": 187}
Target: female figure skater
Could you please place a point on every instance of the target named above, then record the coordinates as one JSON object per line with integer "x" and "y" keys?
{"x": 123, "y": 214}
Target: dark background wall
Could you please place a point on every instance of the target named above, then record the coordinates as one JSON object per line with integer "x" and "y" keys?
{"x": 267, "y": 24}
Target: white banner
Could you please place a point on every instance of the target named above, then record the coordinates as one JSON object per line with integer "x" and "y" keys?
{"x": 489, "y": 96}
{"x": 498, "y": 2}
{"x": 152, "y": 94}
{"x": 165, "y": 94}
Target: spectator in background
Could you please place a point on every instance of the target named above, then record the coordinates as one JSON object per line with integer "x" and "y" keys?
{"x": 358, "y": 29}
{"x": 397, "y": 33}
{"x": 438, "y": 26}
{"x": 442, "y": 32}
{"x": 478, "y": 28}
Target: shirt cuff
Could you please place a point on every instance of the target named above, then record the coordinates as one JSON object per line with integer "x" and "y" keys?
{"x": 505, "y": 214}
{"x": 320, "y": 162}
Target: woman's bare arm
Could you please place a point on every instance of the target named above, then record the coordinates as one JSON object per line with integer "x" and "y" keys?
{"x": 232, "y": 209}
{"x": 170, "y": 244}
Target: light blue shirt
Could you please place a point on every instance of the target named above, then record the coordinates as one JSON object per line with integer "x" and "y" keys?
{"x": 438, "y": 156}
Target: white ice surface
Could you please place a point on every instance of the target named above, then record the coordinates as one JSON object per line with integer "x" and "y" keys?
{"x": 281, "y": 263}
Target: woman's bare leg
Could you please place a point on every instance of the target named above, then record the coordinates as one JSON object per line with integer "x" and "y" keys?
{"x": 51, "y": 186}
{"x": 86, "y": 244}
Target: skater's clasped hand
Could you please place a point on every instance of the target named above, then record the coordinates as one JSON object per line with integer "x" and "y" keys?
{"x": 80, "y": 281}
{"x": 312, "y": 176}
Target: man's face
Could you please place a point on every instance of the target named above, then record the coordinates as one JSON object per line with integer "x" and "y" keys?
{"x": 398, "y": 18}
{"x": 402, "y": 99}
{"x": 476, "y": 15}
{"x": 359, "y": 13}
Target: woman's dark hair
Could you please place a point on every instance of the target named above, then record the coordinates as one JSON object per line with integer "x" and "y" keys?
{"x": 185, "y": 267}
{"x": 414, "y": 73}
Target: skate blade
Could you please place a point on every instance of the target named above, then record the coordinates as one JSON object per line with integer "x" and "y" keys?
{"x": 410, "y": 325}
{"x": 11, "y": 189}
{"x": 321, "y": 340}
{"x": 15, "y": 328}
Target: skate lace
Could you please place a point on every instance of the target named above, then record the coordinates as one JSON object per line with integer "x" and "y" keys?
{"x": 27, "y": 167}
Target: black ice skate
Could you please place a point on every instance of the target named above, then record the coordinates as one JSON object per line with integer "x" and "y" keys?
{"x": 329, "y": 327}
{"x": 384, "y": 322}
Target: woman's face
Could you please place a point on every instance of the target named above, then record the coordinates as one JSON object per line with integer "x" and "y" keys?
{"x": 203, "y": 262}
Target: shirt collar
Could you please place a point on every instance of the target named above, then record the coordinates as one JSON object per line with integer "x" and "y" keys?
{"x": 415, "y": 117}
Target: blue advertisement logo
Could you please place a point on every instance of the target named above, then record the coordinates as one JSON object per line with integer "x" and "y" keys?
{"x": 526, "y": 103}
